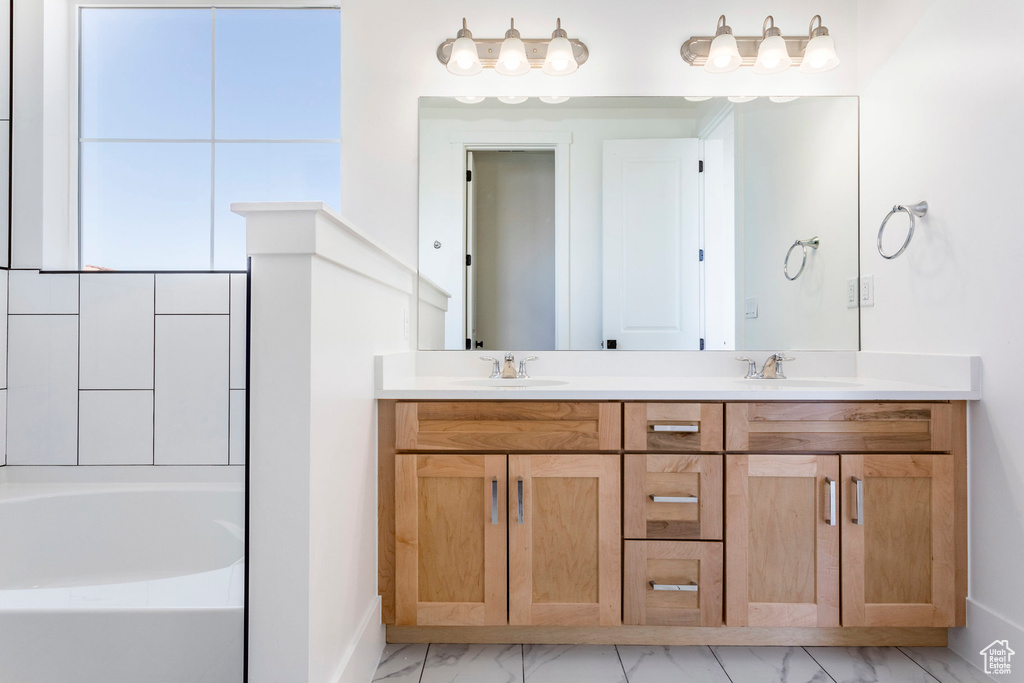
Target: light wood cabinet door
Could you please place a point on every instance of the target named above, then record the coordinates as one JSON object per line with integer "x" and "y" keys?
{"x": 673, "y": 496}
{"x": 451, "y": 539}
{"x": 564, "y": 540}
{"x": 783, "y": 426}
{"x": 782, "y": 540}
{"x": 898, "y": 537}
{"x": 673, "y": 583}
{"x": 673, "y": 427}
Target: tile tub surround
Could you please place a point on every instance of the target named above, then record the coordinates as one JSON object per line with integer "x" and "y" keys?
{"x": 685, "y": 375}
{"x": 443, "y": 663}
{"x": 125, "y": 368}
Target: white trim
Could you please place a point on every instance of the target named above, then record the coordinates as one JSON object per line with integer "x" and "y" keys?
{"x": 313, "y": 228}
{"x": 559, "y": 142}
{"x": 433, "y": 294}
{"x": 984, "y": 625}
{"x": 361, "y": 658}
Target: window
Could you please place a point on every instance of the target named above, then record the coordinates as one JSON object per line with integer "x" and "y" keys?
{"x": 184, "y": 111}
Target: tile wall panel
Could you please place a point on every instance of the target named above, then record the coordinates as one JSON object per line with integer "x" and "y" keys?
{"x": 115, "y": 428}
{"x": 117, "y": 331}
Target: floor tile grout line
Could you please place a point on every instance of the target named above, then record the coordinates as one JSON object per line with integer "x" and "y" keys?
{"x": 900, "y": 650}
{"x": 820, "y": 665}
{"x": 522, "y": 659}
{"x": 423, "y": 666}
{"x": 715, "y": 655}
{"x": 621, "y": 665}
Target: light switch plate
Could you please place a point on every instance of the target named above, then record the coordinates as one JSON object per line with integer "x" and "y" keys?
{"x": 750, "y": 307}
{"x": 867, "y": 290}
{"x": 851, "y": 293}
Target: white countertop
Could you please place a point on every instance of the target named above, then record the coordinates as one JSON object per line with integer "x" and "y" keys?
{"x": 843, "y": 376}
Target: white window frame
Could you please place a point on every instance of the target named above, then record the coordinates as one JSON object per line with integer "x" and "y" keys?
{"x": 45, "y": 116}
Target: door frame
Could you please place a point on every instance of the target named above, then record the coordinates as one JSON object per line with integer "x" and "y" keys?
{"x": 558, "y": 142}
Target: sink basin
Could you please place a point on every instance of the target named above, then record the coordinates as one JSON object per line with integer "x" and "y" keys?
{"x": 797, "y": 383}
{"x": 511, "y": 383}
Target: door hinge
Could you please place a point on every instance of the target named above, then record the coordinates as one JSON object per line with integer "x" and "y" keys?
{"x": 701, "y": 257}
{"x": 469, "y": 344}
{"x": 469, "y": 259}
{"x": 612, "y": 344}
{"x": 469, "y": 175}
{"x": 700, "y": 166}
{"x": 702, "y": 344}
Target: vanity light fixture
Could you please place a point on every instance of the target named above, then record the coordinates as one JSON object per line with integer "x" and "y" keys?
{"x": 723, "y": 55}
{"x": 470, "y": 99}
{"x": 770, "y": 52}
{"x": 697, "y": 98}
{"x": 820, "y": 53}
{"x": 463, "y": 55}
{"x": 740, "y": 99}
{"x": 513, "y": 99}
{"x": 512, "y": 55}
{"x": 550, "y": 99}
{"x": 512, "y": 59}
{"x": 782, "y": 99}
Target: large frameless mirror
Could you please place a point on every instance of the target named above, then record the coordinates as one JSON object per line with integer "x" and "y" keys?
{"x": 654, "y": 223}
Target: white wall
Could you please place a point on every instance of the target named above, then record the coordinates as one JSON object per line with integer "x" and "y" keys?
{"x": 939, "y": 125}
{"x": 634, "y": 50}
{"x": 441, "y": 197}
{"x": 125, "y": 368}
{"x": 797, "y": 178}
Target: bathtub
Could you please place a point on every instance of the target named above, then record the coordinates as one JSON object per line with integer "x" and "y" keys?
{"x": 133, "y": 575}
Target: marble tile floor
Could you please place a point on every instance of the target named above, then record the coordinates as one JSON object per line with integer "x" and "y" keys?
{"x": 446, "y": 663}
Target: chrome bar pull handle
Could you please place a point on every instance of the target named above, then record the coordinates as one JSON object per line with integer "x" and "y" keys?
{"x": 673, "y": 499}
{"x": 519, "y": 486}
{"x": 494, "y": 501}
{"x": 675, "y": 428}
{"x": 831, "y": 514}
{"x": 688, "y": 587}
{"x": 858, "y": 513}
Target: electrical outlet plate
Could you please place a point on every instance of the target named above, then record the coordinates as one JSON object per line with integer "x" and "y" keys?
{"x": 851, "y": 293}
{"x": 750, "y": 307}
{"x": 867, "y": 290}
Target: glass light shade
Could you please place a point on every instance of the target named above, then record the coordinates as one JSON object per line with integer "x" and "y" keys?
{"x": 740, "y": 99}
{"x": 772, "y": 56}
{"x": 819, "y": 56}
{"x": 512, "y": 58}
{"x": 465, "y": 61}
{"x": 696, "y": 98}
{"x": 724, "y": 56}
{"x": 470, "y": 99}
{"x": 782, "y": 99}
{"x": 560, "y": 59}
{"x": 513, "y": 99}
{"x": 553, "y": 99}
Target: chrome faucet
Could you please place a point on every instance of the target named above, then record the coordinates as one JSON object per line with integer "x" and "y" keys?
{"x": 508, "y": 371}
{"x": 522, "y": 367}
{"x": 495, "y": 366}
{"x": 772, "y": 368}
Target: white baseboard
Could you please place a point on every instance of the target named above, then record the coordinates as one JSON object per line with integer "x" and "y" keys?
{"x": 360, "y": 662}
{"x": 984, "y": 626}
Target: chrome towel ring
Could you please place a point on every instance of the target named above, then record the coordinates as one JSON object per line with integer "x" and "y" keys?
{"x": 918, "y": 210}
{"x": 812, "y": 243}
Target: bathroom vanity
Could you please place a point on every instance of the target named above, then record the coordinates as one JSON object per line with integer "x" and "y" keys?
{"x": 745, "y": 518}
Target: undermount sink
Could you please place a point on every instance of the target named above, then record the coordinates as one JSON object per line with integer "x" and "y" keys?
{"x": 802, "y": 383}
{"x": 512, "y": 383}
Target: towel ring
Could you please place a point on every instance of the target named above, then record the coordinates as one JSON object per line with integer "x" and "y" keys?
{"x": 812, "y": 243}
{"x": 918, "y": 210}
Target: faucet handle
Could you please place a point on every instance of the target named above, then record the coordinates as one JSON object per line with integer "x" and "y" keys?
{"x": 522, "y": 367}
{"x": 751, "y": 366}
{"x": 779, "y": 358}
{"x": 495, "y": 366}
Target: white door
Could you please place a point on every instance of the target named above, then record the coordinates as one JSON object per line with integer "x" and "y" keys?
{"x": 651, "y": 244}
{"x": 470, "y": 221}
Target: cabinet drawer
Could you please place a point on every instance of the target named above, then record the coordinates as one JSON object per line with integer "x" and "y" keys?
{"x": 816, "y": 427}
{"x": 508, "y": 426}
{"x": 673, "y": 583}
{"x": 673, "y": 496}
{"x": 677, "y": 427}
